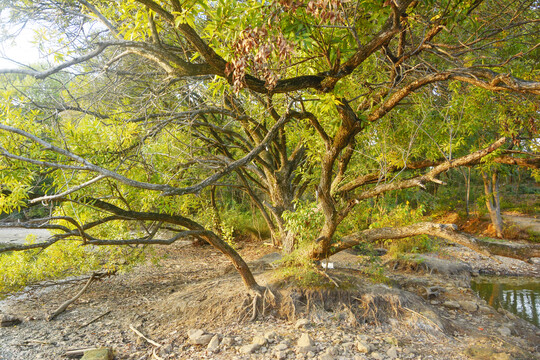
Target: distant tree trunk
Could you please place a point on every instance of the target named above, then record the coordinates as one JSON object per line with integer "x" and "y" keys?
{"x": 467, "y": 178}
{"x": 491, "y": 190}
{"x": 217, "y": 217}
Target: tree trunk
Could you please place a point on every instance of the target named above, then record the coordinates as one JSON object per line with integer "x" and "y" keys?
{"x": 491, "y": 190}
{"x": 217, "y": 218}
{"x": 467, "y": 178}
{"x": 281, "y": 196}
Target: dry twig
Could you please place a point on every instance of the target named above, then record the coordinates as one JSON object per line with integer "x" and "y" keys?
{"x": 144, "y": 337}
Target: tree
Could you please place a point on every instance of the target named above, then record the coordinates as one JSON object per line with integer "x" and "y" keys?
{"x": 152, "y": 102}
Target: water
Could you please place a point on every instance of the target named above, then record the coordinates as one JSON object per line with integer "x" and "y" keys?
{"x": 19, "y": 235}
{"x": 520, "y": 296}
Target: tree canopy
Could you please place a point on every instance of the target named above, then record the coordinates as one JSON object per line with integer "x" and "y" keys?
{"x": 310, "y": 108}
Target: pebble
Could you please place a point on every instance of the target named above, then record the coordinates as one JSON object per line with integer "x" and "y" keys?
{"x": 451, "y": 304}
{"x": 469, "y": 306}
{"x": 504, "y": 331}
{"x": 392, "y": 352}
{"x": 7, "y": 320}
{"x": 270, "y": 335}
{"x": 305, "y": 344}
{"x": 302, "y": 323}
{"x": 227, "y": 341}
{"x": 199, "y": 337}
{"x": 259, "y": 340}
{"x": 213, "y": 345}
{"x": 363, "y": 347}
{"x": 249, "y": 349}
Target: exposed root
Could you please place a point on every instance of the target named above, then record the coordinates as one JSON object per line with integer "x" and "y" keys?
{"x": 255, "y": 306}
{"x": 217, "y": 303}
{"x": 261, "y": 303}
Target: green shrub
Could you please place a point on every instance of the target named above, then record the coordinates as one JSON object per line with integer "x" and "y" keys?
{"x": 19, "y": 269}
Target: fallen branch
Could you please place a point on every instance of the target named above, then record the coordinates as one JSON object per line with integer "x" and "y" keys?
{"x": 63, "y": 307}
{"x": 76, "y": 353}
{"x": 144, "y": 337}
{"x": 94, "y": 319}
{"x": 446, "y": 231}
{"x": 156, "y": 356}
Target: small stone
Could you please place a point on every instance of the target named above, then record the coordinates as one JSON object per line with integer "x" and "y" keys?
{"x": 249, "y": 349}
{"x": 305, "y": 343}
{"x": 310, "y": 354}
{"x": 198, "y": 337}
{"x": 213, "y": 345}
{"x": 259, "y": 340}
{"x": 98, "y": 354}
{"x": 9, "y": 320}
{"x": 363, "y": 347}
{"x": 480, "y": 352}
{"x": 469, "y": 306}
{"x": 166, "y": 349}
{"x": 331, "y": 351}
{"x": 391, "y": 340}
{"x": 392, "y": 352}
{"x": 227, "y": 341}
{"x": 302, "y": 323}
{"x": 281, "y": 355}
{"x": 281, "y": 346}
{"x": 326, "y": 357}
{"x": 451, "y": 304}
{"x": 504, "y": 331}
{"x": 348, "y": 345}
{"x": 270, "y": 335}
{"x": 376, "y": 356}
{"x": 485, "y": 309}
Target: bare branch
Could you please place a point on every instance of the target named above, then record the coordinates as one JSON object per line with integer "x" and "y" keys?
{"x": 67, "y": 192}
{"x": 419, "y": 181}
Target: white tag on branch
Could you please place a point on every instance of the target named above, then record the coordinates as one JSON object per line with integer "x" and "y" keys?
{"x": 326, "y": 265}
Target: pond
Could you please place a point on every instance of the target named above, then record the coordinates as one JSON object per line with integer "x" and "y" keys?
{"x": 520, "y": 296}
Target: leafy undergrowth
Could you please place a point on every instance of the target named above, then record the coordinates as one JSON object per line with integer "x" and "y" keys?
{"x": 19, "y": 269}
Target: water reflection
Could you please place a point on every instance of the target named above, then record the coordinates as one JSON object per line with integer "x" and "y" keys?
{"x": 520, "y": 296}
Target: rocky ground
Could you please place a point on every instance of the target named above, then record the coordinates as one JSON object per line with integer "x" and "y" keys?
{"x": 185, "y": 307}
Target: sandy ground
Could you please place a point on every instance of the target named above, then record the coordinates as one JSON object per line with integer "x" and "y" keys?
{"x": 19, "y": 235}
{"x": 524, "y": 222}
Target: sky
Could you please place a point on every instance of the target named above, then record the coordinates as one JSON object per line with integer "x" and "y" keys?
{"x": 21, "y": 49}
